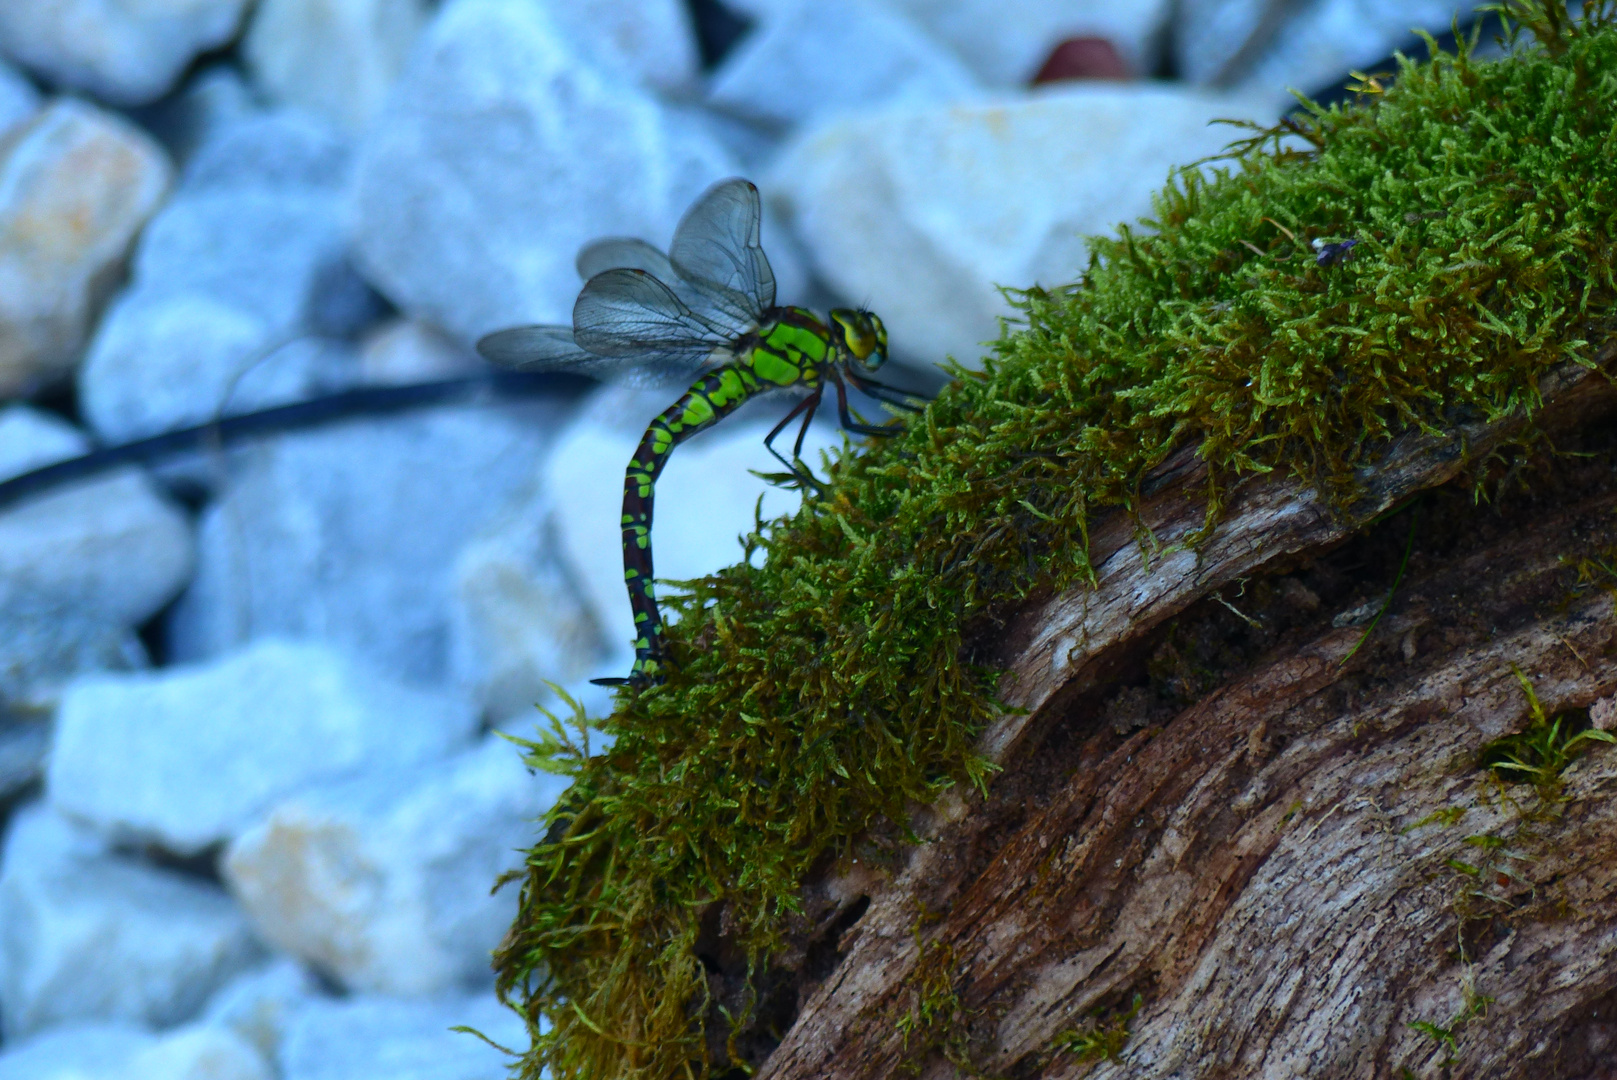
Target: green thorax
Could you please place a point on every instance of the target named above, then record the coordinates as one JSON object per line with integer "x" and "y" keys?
{"x": 789, "y": 349}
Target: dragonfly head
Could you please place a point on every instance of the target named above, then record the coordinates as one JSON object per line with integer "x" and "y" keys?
{"x": 860, "y": 337}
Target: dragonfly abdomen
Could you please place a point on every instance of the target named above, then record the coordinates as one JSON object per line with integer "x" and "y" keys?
{"x": 709, "y": 400}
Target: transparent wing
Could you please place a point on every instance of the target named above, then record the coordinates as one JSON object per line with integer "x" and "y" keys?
{"x": 716, "y": 305}
{"x": 623, "y": 253}
{"x": 534, "y": 348}
{"x": 631, "y": 315}
{"x": 716, "y": 249}
{"x": 552, "y": 348}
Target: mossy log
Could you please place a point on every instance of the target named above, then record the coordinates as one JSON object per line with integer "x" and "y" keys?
{"x": 1243, "y": 831}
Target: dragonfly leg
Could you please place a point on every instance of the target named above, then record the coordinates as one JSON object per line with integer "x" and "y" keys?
{"x": 848, "y": 422}
{"x": 889, "y": 395}
{"x": 795, "y": 466}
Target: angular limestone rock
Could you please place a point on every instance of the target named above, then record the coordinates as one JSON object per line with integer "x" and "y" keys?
{"x": 259, "y": 1004}
{"x": 237, "y": 266}
{"x": 503, "y": 150}
{"x": 83, "y": 1051}
{"x": 823, "y": 56}
{"x": 923, "y": 212}
{"x": 91, "y": 936}
{"x": 401, "y": 1040}
{"x": 347, "y": 533}
{"x": 187, "y": 757}
{"x": 127, "y": 52}
{"x": 336, "y": 58}
{"x": 76, "y": 186}
{"x": 198, "y": 1052}
{"x": 79, "y": 565}
{"x": 383, "y": 882}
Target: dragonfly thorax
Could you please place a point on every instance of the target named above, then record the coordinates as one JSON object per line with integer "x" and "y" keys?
{"x": 791, "y": 348}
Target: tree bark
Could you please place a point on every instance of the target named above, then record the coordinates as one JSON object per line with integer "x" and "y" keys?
{"x": 1223, "y": 801}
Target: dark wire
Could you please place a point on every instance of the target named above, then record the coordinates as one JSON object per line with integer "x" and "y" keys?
{"x": 363, "y": 401}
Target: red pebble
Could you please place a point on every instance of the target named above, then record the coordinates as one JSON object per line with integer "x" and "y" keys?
{"x": 1083, "y": 58}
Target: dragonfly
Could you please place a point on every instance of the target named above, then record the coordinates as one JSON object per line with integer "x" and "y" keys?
{"x": 703, "y": 315}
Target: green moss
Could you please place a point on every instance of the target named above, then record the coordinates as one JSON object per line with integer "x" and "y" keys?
{"x": 832, "y": 690}
{"x": 1541, "y": 752}
{"x": 1104, "y": 1039}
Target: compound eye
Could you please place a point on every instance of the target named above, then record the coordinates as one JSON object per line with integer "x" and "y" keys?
{"x": 857, "y": 334}
{"x": 880, "y": 332}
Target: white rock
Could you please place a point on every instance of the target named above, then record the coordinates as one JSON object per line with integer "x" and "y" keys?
{"x": 18, "y": 98}
{"x": 518, "y": 615}
{"x": 215, "y": 98}
{"x": 1322, "y": 44}
{"x": 187, "y": 757}
{"x": 236, "y": 265}
{"x": 383, "y": 882}
{"x": 75, "y": 1052}
{"x": 198, "y": 1052}
{"x": 127, "y": 52}
{"x": 649, "y": 40}
{"x": 706, "y": 497}
{"x": 40, "y": 836}
{"x": 405, "y": 351}
{"x": 79, "y": 565}
{"x": 87, "y": 936}
{"x": 824, "y": 56}
{"x": 24, "y": 743}
{"x": 1237, "y": 44}
{"x": 503, "y": 151}
{"x": 336, "y": 58}
{"x": 924, "y": 212}
{"x": 369, "y": 1038}
{"x": 259, "y": 1004}
{"x": 76, "y": 185}
{"x": 346, "y": 533}
{"x": 1005, "y": 41}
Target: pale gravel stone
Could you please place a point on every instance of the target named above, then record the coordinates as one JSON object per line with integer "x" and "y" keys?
{"x": 501, "y": 152}
{"x": 259, "y": 1004}
{"x": 76, "y": 185}
{"x": 824, "y": 56}
{"x": 18, "y": 98}
{"x": 347, "y": 533}
{"x": 187, "y": 757}
{"x": 924, "y": 212}
{"x": 383, "y": 882}
{"x": 335, "y": 58}
{"x": 1260, "y": 49}
{"x": 90, "y": 936}
{"x": 198, "y": 1052}
{"x": 405, "y": 351}
{"x": 78, "y": 1051}
{"x": 374, "y": 1038}
{"x": 79, "y": 565}
{"x": 518, "y": 618}
{"x": 126, "y": 52}
{"x": 234, "y": 268}
{"x": 1005, "y": 41}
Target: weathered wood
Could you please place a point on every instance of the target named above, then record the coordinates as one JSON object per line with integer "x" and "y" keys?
{"x": 1253, "y": 866}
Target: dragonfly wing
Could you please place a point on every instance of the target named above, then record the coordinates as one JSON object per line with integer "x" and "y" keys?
{"x": 552, "y": 348}
{"x": 630, "y": 313}
{"x": 623, "y": 253}
{"x": 534, "y": 348}
{"x": 716, "y": 248}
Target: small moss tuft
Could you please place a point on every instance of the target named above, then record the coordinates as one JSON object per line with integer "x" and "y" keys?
{"x": 830, "y": 691}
